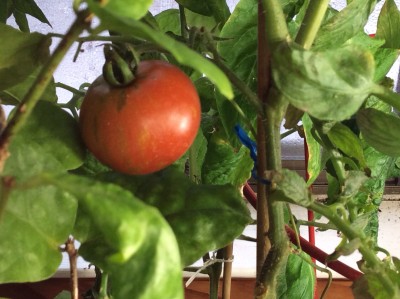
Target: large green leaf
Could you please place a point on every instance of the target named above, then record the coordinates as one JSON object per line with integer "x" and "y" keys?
{"x": 134, "y": 9}
{"x": 49, "y": 141}
{"x": 126, "y": 238}
{"x": 216, "y": 8}
{"x": 345, "y": 24}
{"x": 298, "y": 279}
{"x": 238, "y": 48}
{"x": 329, "y": 85}
{"x": 384, "y": 57}
{"x": 14, "y": 95}
{"x": 388, "y": 24}
{"x": 35, "y": 223}
{"x": 380, "y": 130}
{"x": 20, "y": 55}
{"x": 184, "y": 55}
{"x": 196, "y": 213}
{"x": 169, "y": 21}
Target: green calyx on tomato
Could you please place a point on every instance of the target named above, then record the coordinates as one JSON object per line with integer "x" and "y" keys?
{"x": 116, "y": 70}
{"x": 144, "y": 126}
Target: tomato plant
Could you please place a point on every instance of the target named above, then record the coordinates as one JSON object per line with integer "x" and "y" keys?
{"x": 267, "y": 63}
{"x": 145, "y": 126}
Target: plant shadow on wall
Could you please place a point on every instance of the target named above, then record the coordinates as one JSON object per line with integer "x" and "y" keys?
{"x": 175, "y": 196}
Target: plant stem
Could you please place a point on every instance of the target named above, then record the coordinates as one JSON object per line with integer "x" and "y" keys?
{"x": 227, "y": 280}
{"x": 263, "y": 75}
{"x": 103, "y": 293}
{"x": 271, "y": 31}
{"x": 73, "y": 257}
{"x": 69, "y": 88}
{"x": 38, "y": 87}
{"x": 275, "y": 22}
{"x": 316, "y": 224}
{"x": 312, "y": 21}
{"x": 368, "y": 253}
{"x": 183, "y": 23}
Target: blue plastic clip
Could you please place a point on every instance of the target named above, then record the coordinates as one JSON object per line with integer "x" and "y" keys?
{"x": 252, "y": 146}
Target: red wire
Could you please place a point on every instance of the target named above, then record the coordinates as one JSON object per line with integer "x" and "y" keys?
{"x": 306, "y": 246}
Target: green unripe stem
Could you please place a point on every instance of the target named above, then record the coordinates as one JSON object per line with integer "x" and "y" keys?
{"x": 275, "y": 22}
{"x": 116, "y": 70}
{"x": 270, "y": 214}
{"x": 311, "y": 23}
{"x": 38, "y": 87}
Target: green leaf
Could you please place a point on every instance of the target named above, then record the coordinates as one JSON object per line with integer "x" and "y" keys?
{"x": 48, "y": 142}
{"x": 216, "y": 8}
{"x": 63, "y": 295}
{"x": 196, "y": 213}
{"x": 329, "y": 85}
{"x": 314, "y": 165}
{"x": 197, "y": 154}
{"x": 5, "y": 10}
{"x": 201, "y": 7}
{"x": 345, "y": 24}
{"x": 169, "y": 21}
{"x": 14, "y": 94}
{"x": 132, "y": 9}
{"x": 290, "y": 187}
{"x": 344, "y": 249}
{"x": 238, "y": 48}
{"x": 23, "y": 7}
{"x": 182, "y": 54}
{"x": 224, "y": 164}
{"x": 388, "y": 24}
{"x": 298, "y": 279}
{"x": 20, "y": 55}
{"x": 21, "y": 20}
{"x": 353, "y": 182}
{"x": 346, "y": 141}
{"x": 374, "y": 126}
{"x": 384, "y": 57}
{"x": 126, "y": 238}
{"x": 369, "y": 286}
{"x": 206, "y": 91}
{"x": 35, "y": 223}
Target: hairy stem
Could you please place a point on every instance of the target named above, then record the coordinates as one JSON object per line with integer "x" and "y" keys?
{"x": 271, "y": 31}
{"x": 38, "y": 87}
{"x": 312, "y": 21}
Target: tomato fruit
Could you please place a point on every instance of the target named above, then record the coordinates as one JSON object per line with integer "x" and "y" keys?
{"x": 144, "y": 126}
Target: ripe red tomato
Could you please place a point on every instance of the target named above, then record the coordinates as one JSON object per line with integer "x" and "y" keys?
{"x": 145, "y": 126}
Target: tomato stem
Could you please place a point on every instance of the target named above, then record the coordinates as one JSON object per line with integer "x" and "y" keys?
{"x": 38, "y": 87}
{"x": 311, "y": 23}
{"x": 117, "y": 71}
